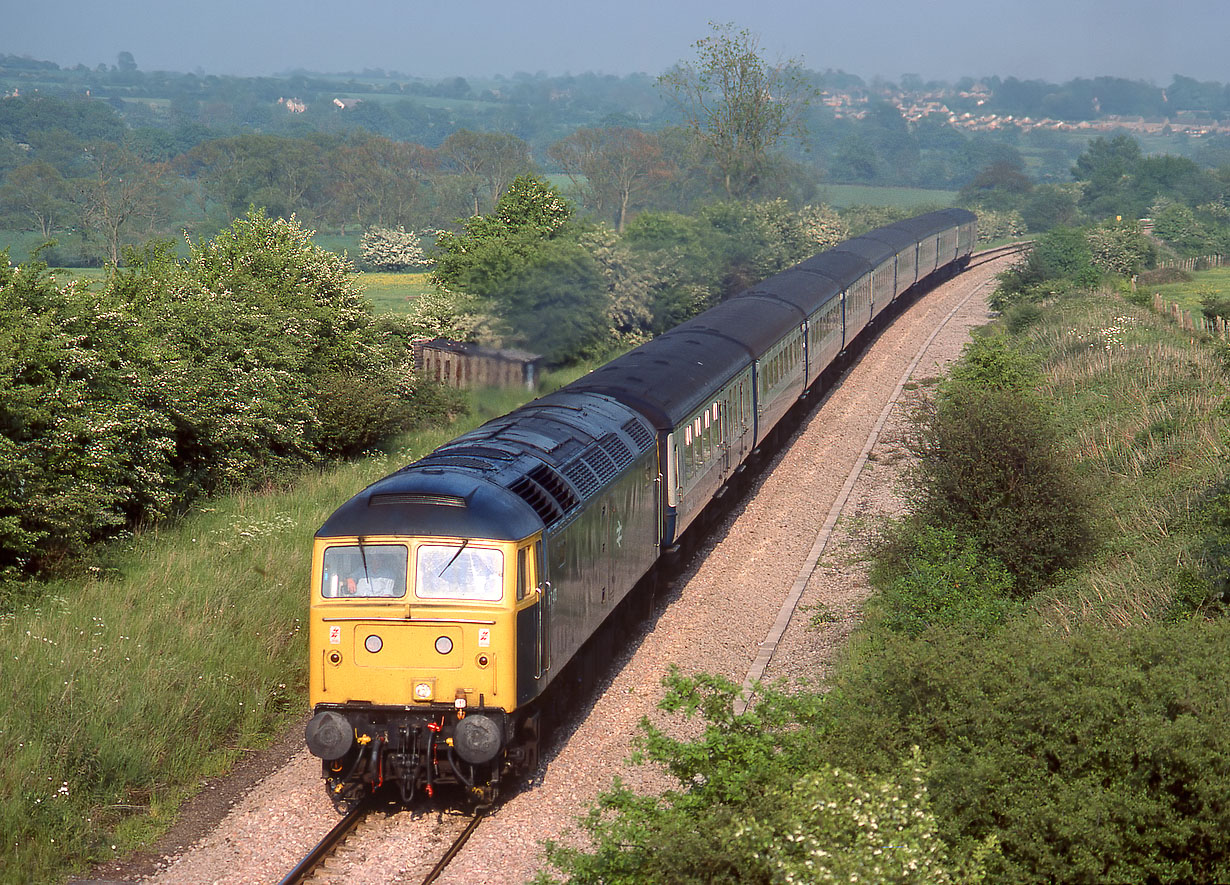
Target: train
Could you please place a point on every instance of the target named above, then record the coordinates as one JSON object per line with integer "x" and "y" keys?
{"x": 447, "y": 598}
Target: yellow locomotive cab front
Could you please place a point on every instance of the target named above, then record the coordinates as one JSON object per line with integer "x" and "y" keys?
{"x": 420, "y": 620}
{"x": 413, "y": 647}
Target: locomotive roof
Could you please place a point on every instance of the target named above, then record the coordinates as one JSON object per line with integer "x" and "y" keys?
{"x": 669, "y": 377}
{"x": 437, "y": 503}
{"x": 507, "y": 479}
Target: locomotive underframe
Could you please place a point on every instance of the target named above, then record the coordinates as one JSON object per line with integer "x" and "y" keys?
{"x": 413, "y": 750}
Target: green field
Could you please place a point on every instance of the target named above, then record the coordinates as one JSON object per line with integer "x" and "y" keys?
{"x": 842, "y": 195}
{"x": 393, "y": 292}
{"x": 1188, "y": 295}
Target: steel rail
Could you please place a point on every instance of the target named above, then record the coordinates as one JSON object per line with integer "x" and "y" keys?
{"x": 313, "y": 859}
{"x": 453, "y": 850}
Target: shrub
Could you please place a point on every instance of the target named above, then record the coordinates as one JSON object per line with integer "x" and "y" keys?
{"x": 833, "y": 825}
{"x": 937, "y": 577}
{"x": 1214, "y": 305}
{"x": 1096, "y": 757}
{"x": 1213, "y": 515}
{"x": 1120, "y": 248}
{"x": 179, "y": 378}
{"x": 393, "y": 249}
{"x": 990, "y": 468}
{"x": 1060, "y": 256}
{"x": 755, "y": 805}
{"x": 996, "y": 225}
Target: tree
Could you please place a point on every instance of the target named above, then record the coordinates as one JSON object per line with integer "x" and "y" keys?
{"x": 611, "y": 167}
{"x": 122, "y": 192}
{"x": 1107, "y": 166}
{"x": 1001, "y": 185}
{"x": 491, "y": 160}
{"x": 495, "y": 245}
{"x": 378, "y": 182}
{"x": 284, "y": 175}
{"x": 556, "y": 303}
{"x": 736, "y": 105}
{"x": 38, "y": 193}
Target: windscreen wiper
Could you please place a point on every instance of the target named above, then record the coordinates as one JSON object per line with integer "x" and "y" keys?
{"x": 454, "y": 559}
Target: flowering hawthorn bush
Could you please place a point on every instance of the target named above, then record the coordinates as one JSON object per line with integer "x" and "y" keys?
{"x": 180, "y": 378}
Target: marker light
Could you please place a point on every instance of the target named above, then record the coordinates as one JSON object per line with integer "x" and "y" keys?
{"x": 373, "y": 643}
{"x": 444, "y": 645}
{"x": 423, "y": 691}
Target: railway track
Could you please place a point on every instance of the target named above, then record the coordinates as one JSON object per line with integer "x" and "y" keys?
{"x": 312, "y": 867}
{"x": 988, "y": 255}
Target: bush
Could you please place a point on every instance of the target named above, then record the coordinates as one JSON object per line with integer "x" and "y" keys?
{"x": 176, "y": 379}
{"x": 1060, "y": 257}
{"x": 1120, "y": 248}
{"x": 754, "y": 805}
{"x": 393, "y": 249}
{"x": 1213, "y": 516}
{"x": 932, "y": 576}
{"x": 1214, "y": 305}
{"x": 1096, "y": 757}
{"x": 990, "y": 468}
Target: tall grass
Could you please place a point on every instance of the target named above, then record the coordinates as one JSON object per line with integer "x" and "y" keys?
{"x": 182, "y": 651}
{"x": 1145, "y": 412}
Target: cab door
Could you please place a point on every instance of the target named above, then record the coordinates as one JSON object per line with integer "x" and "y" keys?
{"x": 534, "y": 602}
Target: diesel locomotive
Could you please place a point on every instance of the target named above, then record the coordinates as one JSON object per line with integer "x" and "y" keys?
{"x": 447, "y": 597}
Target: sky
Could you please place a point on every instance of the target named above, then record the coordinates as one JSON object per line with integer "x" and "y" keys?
{"x": 1052, "y": 40}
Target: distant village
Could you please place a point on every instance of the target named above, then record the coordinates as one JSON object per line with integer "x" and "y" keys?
{"x": 915, "y": 106}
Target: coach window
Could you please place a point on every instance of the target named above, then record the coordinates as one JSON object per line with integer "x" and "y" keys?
{"x": 364, "y": 570}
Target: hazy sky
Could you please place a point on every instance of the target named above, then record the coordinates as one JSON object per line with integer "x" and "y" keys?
{"x": 1053, "y": 40}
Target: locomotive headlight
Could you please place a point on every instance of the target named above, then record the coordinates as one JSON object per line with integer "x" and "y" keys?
{"x": 423, "y": 691}
{"x": 444, "y": 645}
{"x": 373, "y": 643}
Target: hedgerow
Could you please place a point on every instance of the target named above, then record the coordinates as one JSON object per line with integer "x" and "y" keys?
{"x": 1096, "y": 757}
{"x": 253, "y": 357}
